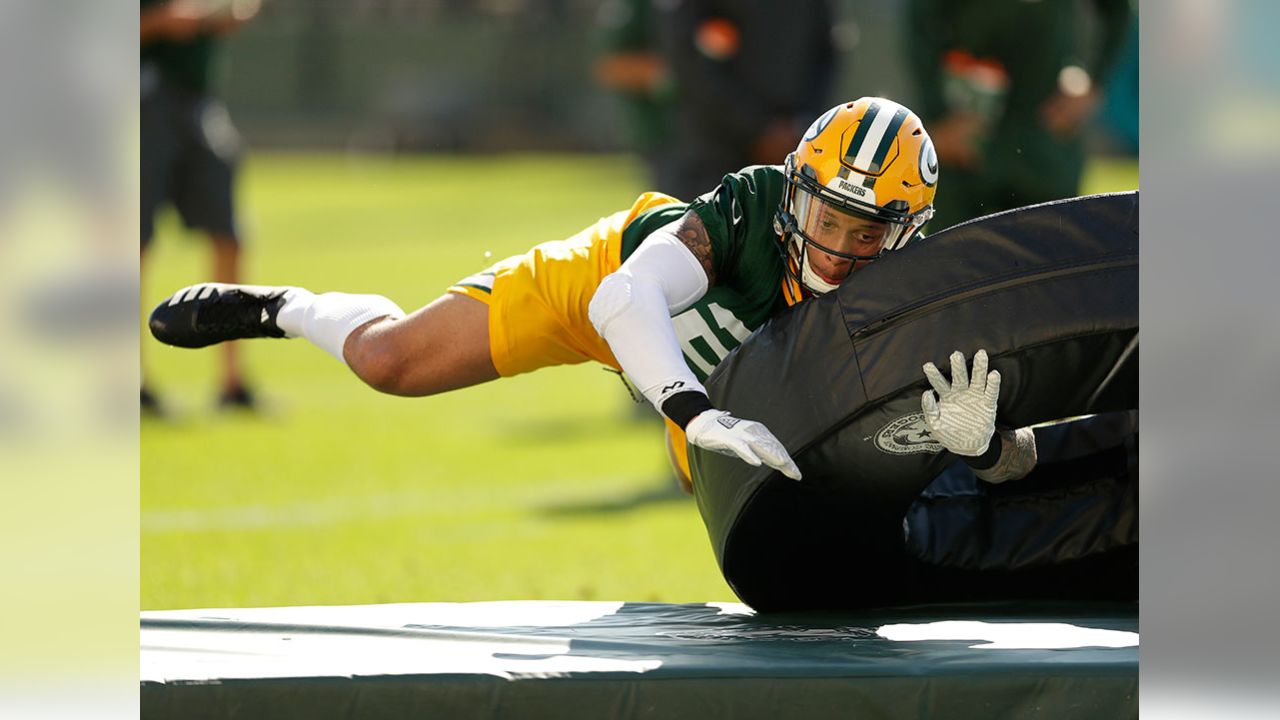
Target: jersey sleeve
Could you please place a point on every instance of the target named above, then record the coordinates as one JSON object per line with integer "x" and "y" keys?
{"x": 739, "y": 217}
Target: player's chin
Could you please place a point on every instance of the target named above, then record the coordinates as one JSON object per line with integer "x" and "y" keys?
{"x": 832, "y": 277}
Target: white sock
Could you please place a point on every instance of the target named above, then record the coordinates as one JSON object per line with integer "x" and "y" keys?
{"x": 327, "y": 319}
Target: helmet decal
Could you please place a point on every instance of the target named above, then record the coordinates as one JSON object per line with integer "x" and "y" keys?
{"x": 928, "y": 162}
{"x": 820, "y": 124}
{"x": 874, "y": 137}
{"x": 865, "y": 192}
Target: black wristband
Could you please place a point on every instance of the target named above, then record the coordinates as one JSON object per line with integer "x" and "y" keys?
{"x": 990, "y": 457}
{"x": 683, "y": 407}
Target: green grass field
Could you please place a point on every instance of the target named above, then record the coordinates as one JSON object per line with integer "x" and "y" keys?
{"x": 537, "y": 487}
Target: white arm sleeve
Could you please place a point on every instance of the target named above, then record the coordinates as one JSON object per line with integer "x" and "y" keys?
{"x": 632, "y": 311}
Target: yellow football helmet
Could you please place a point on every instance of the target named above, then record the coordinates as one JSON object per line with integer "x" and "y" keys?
{"x": 870, "y": 158}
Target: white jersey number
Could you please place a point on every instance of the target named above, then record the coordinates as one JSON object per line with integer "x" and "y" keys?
{"x": 707, "y": 335}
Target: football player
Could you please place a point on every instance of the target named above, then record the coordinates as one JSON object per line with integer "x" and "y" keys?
{"x": 662, "y": 291}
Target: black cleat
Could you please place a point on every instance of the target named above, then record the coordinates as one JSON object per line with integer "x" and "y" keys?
{"x": 210, "y": 313}
{"x": 238, "y": 398}
{"x": 149, "y": 404}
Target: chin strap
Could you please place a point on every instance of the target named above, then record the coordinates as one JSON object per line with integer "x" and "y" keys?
{"x": 811, "y": 279}
{"x": 793, "y": 288}
{"x": 792, "y": 293}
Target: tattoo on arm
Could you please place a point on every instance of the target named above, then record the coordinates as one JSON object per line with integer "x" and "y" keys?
{"x": 693, "y": 234}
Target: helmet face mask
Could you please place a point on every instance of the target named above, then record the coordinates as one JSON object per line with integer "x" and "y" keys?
{"x": 848, "y": 240}
{"x": 860, "y": 184}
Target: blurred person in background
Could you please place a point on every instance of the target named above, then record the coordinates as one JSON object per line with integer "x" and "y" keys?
{"x": 1006, "y": 89}
{"x": 1118, "y": 118}
{"x": 662, "y": 291}
{"x": 189, "y": 147}
{"x": 749, "y": 77}
{"x": 630, "y": 65}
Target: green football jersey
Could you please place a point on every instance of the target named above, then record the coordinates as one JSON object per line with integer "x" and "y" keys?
{"x": 749, "y": 267}
{"x": 186, "y": 63}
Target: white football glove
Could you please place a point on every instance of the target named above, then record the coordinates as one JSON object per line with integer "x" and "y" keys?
{"x": 750, "y": 441}
{"x": 963, "y": 415}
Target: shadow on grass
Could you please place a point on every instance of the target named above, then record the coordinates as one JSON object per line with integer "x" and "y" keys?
{"x": 543, "y": 430}
{"x": 666, "y": 492}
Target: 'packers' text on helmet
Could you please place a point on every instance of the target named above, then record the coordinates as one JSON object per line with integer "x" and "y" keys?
{"x": 860, "y": 184}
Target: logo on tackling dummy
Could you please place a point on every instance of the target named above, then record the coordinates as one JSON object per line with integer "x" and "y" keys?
{"x": 906, "y": 436}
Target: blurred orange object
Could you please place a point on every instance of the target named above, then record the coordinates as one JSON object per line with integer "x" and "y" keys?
{"x": 718, "y": 38}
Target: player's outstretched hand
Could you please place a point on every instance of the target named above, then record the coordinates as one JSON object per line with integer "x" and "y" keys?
{"x": 963, "y": 414}
{"x": 750, "y": 441}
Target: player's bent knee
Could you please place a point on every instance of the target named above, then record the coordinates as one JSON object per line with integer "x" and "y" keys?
{"x": 378, "y": 370}
{"x": 410, "y": 370}
{"x": 442, "y": 347}
{"x": 378, "y": 360}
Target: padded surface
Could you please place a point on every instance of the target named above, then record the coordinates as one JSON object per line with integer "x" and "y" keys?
{"x": 631, "y": 660}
